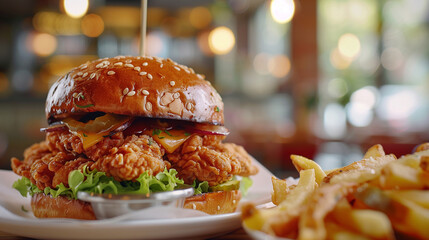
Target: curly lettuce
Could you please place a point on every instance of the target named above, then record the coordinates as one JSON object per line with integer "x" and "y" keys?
{"x": 97, "y": 182}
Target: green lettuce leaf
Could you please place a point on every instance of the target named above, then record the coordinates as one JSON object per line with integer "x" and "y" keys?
{"x": 200, "y": 187}
{"x": 25, "y": 187}
{"x": 245, "y": 184}
{"x": 98, "y": 182}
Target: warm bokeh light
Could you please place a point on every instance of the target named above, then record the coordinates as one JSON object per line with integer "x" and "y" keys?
{"x": 92, "y": 25}
{"x": 43, "y": 44}
{"x": 56, "y": 23}
{"x": 154, "y": 44}
{"x": 221, "y": 40}
{"x": 200, "y": 17}
{"x": 76, "y": 8}
{"x": 279, "y": 66}
{"x": 282, "y": 11}
{"x": 203, "y": 43}
{"x": 260, "y": 63}
{"x": 338, "y": 60}
{"x": 349, "y": 45}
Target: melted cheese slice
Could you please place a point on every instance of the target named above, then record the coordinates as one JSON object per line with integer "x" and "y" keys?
{"x": 90, "y": 139}
{"x": 170, "y": 140}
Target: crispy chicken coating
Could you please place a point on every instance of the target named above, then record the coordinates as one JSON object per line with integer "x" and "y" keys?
{"x": 49, "y": 163}
{"x": 136, "y": 155}
{"x": 208, "y": 159}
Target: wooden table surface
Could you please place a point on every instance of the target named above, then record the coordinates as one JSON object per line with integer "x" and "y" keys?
{"x": 238, "y": 234}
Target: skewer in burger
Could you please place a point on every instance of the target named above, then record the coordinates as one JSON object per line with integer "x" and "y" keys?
{"x": 127, "y": 125}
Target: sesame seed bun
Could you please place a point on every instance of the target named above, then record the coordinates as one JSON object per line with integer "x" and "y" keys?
{"x": 137, "y": 86}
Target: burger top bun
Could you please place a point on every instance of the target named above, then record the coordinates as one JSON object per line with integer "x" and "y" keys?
{"x": 137, "y": 86}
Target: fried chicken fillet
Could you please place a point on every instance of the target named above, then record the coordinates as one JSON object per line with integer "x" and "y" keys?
{"x": 205, "y": 158}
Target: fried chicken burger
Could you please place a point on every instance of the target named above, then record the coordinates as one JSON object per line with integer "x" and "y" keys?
{"x": 132, "y": 125}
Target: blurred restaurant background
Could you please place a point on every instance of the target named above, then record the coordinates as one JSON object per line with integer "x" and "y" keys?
{"x": 325, "y": 79}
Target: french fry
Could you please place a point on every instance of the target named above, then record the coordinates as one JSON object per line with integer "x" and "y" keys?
{"x": 292, "y": 205}
{"x": 360, "y": 171}
{"x": 424, "y": 163}
{"x": 406, "y": 216}
{"x": 303, "y": 163}
{"x": 422, "y": 147}
{"x": 281, "y": 189}
{"x": 374, "y": 152}
{"x": 417, "y": 196}
{"x": 369, "y": 223}
{"x": 282, "y": 220}
{"x": 337, "y": 232}
{"x": 377, "y": 197}
{"x": 330, "y": 170}
{"x": 399, "y": 176}
{"x": 322, "y": 202}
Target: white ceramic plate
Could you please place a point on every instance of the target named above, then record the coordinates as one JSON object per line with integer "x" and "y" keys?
{"x": 16, "y": 218}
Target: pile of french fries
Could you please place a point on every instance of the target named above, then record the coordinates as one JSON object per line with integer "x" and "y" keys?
{"x": 378, "y": 197}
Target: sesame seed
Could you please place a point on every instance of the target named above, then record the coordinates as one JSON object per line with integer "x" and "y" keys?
{"x": 194, "y": 206}
{"x": 176, "y": 95}
{"x": 128, "y": 61}
{"x": 118, "y": 64}
{"x": 75, "y": 95}
{"x": 125, "y": 91}
{"x": 233, "y": 201}
{"x": 106, "y": 63}
{"x": 200, "y": 76}
{"x": 100, "y": 65}
{"x": 149, "y": 106}
{"x": 84, "y": 66}
{"x": 218, "y": 207}
{"x": 172, "y": 83}
{"x": 187, "y": 70}
{"x": 137, "y": 68}
{"x": 161, "y": 65}
{"x": 169, "y": 60}
{"x": 177, "y": 68}
{"x": 110, "y": 73}
{"x": 131, "y": 93}
{"x": 145, "y": 64}
{"x": 149, "y": 57}
{"x": 92, "y": 75}
{"x": 149, "y": 76}
{"x": 129, "y": 65}
{"x": 189, "y": 106}
{"x": 142, "y": 73}
{"x": 80, "y": 73}
{"x": 85, "y": 74}
{"x": 192, "y": 70}
{"x": 138, "y": 57}
{"x": 145, "y": 92}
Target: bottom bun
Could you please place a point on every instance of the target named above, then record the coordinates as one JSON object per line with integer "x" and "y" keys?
{"x": 44, "y": 206}
{"x": 215, "y": 202}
